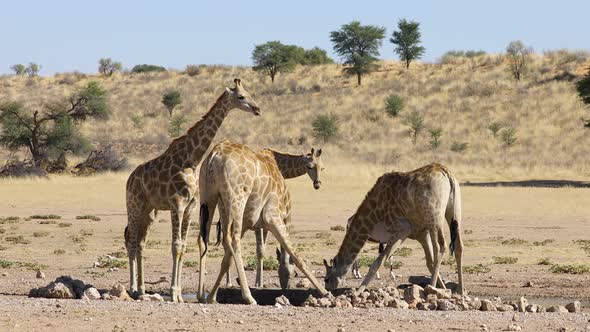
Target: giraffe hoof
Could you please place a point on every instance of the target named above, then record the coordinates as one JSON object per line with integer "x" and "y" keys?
{"x": 251, "y": 301}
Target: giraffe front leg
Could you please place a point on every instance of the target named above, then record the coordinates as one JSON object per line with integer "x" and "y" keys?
{"x": 222, "y": 271}
{"x": 175, "y": 287}
{"x": 237, "y": 254}
{"x": 260, "y": 248}
{"x": 427, "y": 246}
{"x": 377, "y": 264}
{"x": 278, "y": 229}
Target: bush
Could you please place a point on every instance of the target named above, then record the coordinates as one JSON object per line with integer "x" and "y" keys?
{"x": 459, "y": 146}
{"x": 107, "y": 67}
{"x": 478, "y": 268}
{"x": 504, "y": 260}
{"x": 316, "y": 56}
{"x": 338, "y": 228}
{"x": 435, "y": 135}
{"x": 416, "y": 123}
{"x": 176, "y": 125}
{"x": 32, "y": 69}
{"x": 393, "y": 105}
{"x": 136, "y": 120}
{"x": 268, "y": 263}
{"x": 171, "y": 99}
{"x": 19, "y": 69}
{"x": 509, "y": 137}
{"x": 544, "y": 261}
{"x": 147, "y": 68}
{"x": 495, "y": 127}
{"x": 193, "y": 70}
{"x": 583, "y": 87}
{"x": 403, "y": 252}
{"x": 325, "y": 127}
{"x": 570, "y": 268}
{"x": 103, "y": 160}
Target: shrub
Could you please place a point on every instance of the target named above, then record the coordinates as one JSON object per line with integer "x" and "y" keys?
{"x": 45, "y": 216}
{"x": 268, "y": 263}
{"x": 316, "y": 56}
{"x": 19, "y": 69}
{"x": 88, "y": 217}
{"x": 544, "y": 261}
{"x": 176, "y": 125}
{"x": 544, "y": 242}
{"x": 504, "y": 260}
{"x": 459, "y": 146}
{"x": 403, "y": 252}
{"x": 107, "y": 262}
{"x": 570, "y": 268}
{"x": 393, "y": 105}
{"x": 144, "y": 68}
{"x": 136, "y": 120}
{"x": 515, "y": 242}
{"x": 9, "y": 220}
{"x": 17, "y": 240}
{"x": 41, "y": 234}
{"x": 171, "y": 99}
{"x": 338, "y": 228}
{"x": 32, "y": 69}
{"x": 193, "y": 70}
{"x": 509, "y": 136}
{"x": 103, "y": 160}
{"x": 478, "y": 268}
{"x": 393, "y": 264}
{"x": 416, "y": 123}
{"x": 64, "y": 224}
{"x": 59, "y": 252}
{"x": 435, "y": 135}
{"x": 325, "y": 127}
{"x": 495, "y": 127}
{"x": 583, "y": 87}
{"x": 190, "y": 264}
{"x": 107, "y": 67}
{"x": 519, "y": 57}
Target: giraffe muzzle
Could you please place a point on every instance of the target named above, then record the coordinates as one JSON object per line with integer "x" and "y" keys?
{"x": 317, "y": 184}
{"x": 256, "y": 110}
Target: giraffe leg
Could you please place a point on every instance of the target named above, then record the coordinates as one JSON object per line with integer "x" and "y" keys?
{"x": 236, "y": 236}
{"x": 459, "y": 260}
{"x": 378, "y": 262}
{"x": 261, "y": 237}
{"x": 223, "y": 269}
{"x": 143, "y": 232}
{"x": 186, "y": 222}
{"x": 175, "y": 287}
{"x": 211, "y": 204}
{"x": 438, "y": 246}
{"x": 355, "y": 270}
{"x": 427, "y": 246}
{"x": 279, "y": 230}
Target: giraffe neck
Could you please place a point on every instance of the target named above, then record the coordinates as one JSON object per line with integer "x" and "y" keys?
{"x": 290, "y": 166}
{"x": 193, "y": 145}
{"x": 356, "y": 236}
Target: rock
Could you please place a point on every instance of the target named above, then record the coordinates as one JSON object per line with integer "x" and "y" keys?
{"x": 522, "y": 304}
{"x": 118, "y": 291}
{"x": 324, "y": 302}
{"x": 91, "y": 293}
{"x": 483, "y": 327}
{"x": 278, "y": 306}
{"x": 40, "y": 274}
{"x": 426, "y": 306}
{"x": 529, "y": 284}
{"x": 282, "y": 300}
{"x": 532, "y": 308}
{"x": 513, "y": 327}
{"x": 505, "y": 307}
{"x": 414, "y": 294}
{"x": 5, "y": 274}
{"x": 557, "y": 308}
{"x": 475, "y": 304}
{"x": 151, "y": 297}
{"x": 303, "y": 283}
{"x": 575, "y": 306}
{"x": 541, "y": 309}
{"x": 341, "y": 329}
{"x": 58, "y": 290}
{"x": 444, "y": 305}
{"x": 439, "y": 293}
{"x": 106, "y": 296}
{"x": 487, "y": 305}
{"x": 398, "y": 304}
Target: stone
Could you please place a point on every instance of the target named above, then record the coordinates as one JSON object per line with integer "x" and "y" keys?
{"x": 557, "y": 308}
{"x": 398, "y": 304}
{"x": 278, "y": 306}
{"x": 505, "y": 308}
{"x": 106, "y": 296}
{"x": 439, "y": 293}
{"x": 575, "y": 306}
{"x": 426, "y": 306}
{"x": 341, "y": 329}
{"x": 91, "y": 293}
{"x": 324, "y": 302}
{"x": 303, "y": 283}
{"x": 487, "y": 305}
{"x": 444, "y": 305}
{"x": 475, "y": 304}
{"x": 513, "y": 327}
{"x": 522, "y": 304}
{"x": 532, "y": 308}
{"x": 118, "y": 291}
{"x": 40, "y": 274}
{"x": 151, "y": 298}
{"x": 282, "y": 300}
{"x": 529, "y": 284}
{"x": 414, "y": 294}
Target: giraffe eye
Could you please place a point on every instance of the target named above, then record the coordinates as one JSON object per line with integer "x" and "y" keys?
{"x": 309, "y": 167}
{"x": 241, "y": 97}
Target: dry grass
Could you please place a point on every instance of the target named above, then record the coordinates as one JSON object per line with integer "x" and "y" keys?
{"x": 462, "y": 98}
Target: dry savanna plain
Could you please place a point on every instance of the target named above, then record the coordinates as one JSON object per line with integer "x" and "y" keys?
{"x": 519, "y": 241}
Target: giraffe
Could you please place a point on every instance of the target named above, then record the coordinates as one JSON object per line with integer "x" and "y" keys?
{"x": 251, "y": 191}
{"x": 290, "y": 166}
{"x": 403, "y": 205}
{"x": 169, "y": 182}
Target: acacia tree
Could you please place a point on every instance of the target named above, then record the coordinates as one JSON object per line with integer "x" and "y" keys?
{"x": 273, "y": 57}
{"x": 518, "y": 57}
{"x": 583, "y": 87}
{"x": 107, "y": 67}
{"x": 32, "y": 69}
{"x": 358, "y": 46}
{"x": 407, "y": 39}
{"x": 19, "y": 69}
{"x": 171, "y": 99}
{"x": 51, "y": 132}
{"x": 316, "y": 56}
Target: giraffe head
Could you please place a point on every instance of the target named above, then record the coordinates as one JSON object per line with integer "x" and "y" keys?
{"x": 241, "y": 99}
{"x": 286, "y": 268}
{"x": 315, "y": 166}
{"x": 334, "y": 274}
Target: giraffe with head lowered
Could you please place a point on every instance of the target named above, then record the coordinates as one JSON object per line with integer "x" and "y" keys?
{"x": 250, "y": 189}
{"x": 169, "y": 182}
{"x": 403, "y": 205}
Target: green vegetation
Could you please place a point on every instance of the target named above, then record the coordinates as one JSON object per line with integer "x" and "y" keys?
{"x": 416, "y": 123}
{"x": 338, "y": 228}
{"x": 88, "y": 217}
{"x": 176, "y": 125}
{"x": 40, "y": 234}
{"x": 407, "y": 39}
{"x": 515, "y": 242}
{"x": 144, "y": 68}
{"x": 393, "y": 264}
{"x": 190, "y": 264}
{"x": 59, "y": 252}
{"x": 30, "y": 266}
{"x": 570, "y": 268}
{"x": 495, "y": 127}
{"x": 584, "y": 245}
{"x": 459, "y": 147}
{"x": 393, "y": 105}
{"x": 268, "y": 263}
{"x": 316, "y": 56}
{"x": 478, "y": 268}
{"x": 17, "y": 240}
{"x": 543, "y": 243}
{"x": 325, "y": 127}
{"x": 9, "y": 220}
{"x": 273, "y": 57}
{"x": 19, "y": 69}
{"x": 47, "y": 222}
{"x": 504, "y": 260}
{"x": 358, "y": 45}
{"x": 403, "y": 252}
{"x": 107, "y": 67}
{"x": 107, "y": 262}
{"x": 45, "y": 216}
{"x": 509, "y": 136}
{"x": 435, "y": 134}
{"x": 544, "y": 261}
{"x": 119, "y": 254}
{"x": 64, "y": 224}
{"x": 519, "y": 57}
{"x": 171, "y": 99}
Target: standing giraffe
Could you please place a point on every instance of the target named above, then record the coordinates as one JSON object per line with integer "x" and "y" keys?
{"x": 399, "y": 206}
{"x": 251, "y": 191}
{"x": 169, "y": 182}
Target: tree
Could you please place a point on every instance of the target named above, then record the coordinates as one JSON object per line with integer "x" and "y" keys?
{"x": 416, "y": 123}
{"x": 144, "y": 68}
{"x": 583, "y": 87}
{"x": 518, "y": 56}
{"x": 316, "y": 56}
{"x": 51, "y": 132}
{"x": 171, "y": 99}
{"x": 19, "y": 69}
{"x": 358, "y": 45}
{"x": 107, "y": 67}
{"x": 33, "y": 69}
{"x": 407, "y": 39}
{"x": 435, "y": 134}
{"x": 273, "y": 57}
{"x": 393, "y": 105}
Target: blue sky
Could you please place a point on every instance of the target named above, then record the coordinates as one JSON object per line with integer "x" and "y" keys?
{"x": 72, "y": 35}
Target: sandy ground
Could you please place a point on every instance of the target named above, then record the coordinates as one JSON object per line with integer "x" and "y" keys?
{"x": 519, "y": 217}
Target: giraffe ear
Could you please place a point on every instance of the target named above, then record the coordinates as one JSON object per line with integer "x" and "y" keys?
{"x": 238, "y": 82}
{"x": 318, "y": 153}
{"x": 229, "y": 90}
{"x": 312, "y": 151}
{"x": 326, "y": 264}
{"x": 278, "y": 254}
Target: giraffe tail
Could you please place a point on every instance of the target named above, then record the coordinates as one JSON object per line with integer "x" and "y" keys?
{"x": 204, "y": 220}
{"x": 454, "y": 224}
{"x": 218, "y": 232}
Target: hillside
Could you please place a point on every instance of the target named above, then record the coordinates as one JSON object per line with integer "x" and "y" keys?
{"x": 462, "y": 97}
